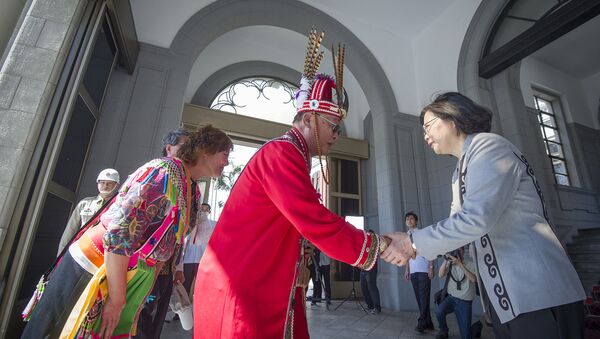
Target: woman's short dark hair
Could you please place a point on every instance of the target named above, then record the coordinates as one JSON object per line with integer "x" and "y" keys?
{"x": 207, "y": 140}
{"x": 468, "y": 116}
{"x": 173, "y": 138}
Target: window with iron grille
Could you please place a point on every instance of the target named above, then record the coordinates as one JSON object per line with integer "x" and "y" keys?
{"x": 552, "y": 140}
{"x": 259, "y": 97}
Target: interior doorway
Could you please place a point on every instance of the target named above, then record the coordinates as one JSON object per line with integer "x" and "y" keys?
{"x": 220, "y": 188}
{"x": 342, "y": 196}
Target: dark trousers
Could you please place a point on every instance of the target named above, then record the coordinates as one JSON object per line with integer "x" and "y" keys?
{"x": 66, "y": 284}
{"x": 313, "y": 278}
{"x": 559, "y": 322}
{"x": 189, "y": 273}
{"x": 368, "y": 285}
{"x": 422, "y": 287}
{"x": 154, "y": 312}
{"x": 323, "y": 279}
{"x": 463, "y": 311}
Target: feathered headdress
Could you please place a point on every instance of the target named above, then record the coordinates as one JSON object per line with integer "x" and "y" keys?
{"x": 319, "y": 92}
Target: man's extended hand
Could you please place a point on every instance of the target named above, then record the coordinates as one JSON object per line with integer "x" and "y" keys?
{"x": 399, "y": 250}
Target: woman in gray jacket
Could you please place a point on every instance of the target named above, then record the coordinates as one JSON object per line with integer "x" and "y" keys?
{"x": 530, "y": 287}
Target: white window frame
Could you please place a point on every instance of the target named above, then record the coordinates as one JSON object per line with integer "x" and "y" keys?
{"x": 559, "y": 117}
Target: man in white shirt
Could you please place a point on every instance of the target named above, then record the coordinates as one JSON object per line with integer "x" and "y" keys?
{"x": 420, "y": 272}
{"x": 195, "y": 245}
{"x": 461, "y": 291}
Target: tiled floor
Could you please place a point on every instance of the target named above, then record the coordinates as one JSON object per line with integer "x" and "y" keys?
{"x": 351, "y": 322}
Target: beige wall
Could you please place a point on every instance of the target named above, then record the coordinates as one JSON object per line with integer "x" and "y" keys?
{"x": 10, "y": 11}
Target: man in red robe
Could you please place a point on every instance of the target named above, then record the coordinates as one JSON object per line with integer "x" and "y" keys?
{"x": 250, "y": 277}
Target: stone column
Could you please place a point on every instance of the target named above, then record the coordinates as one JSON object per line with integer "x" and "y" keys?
{"x": 28, "y": 79}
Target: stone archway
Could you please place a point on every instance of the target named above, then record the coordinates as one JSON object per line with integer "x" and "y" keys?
{"x": 221, "y": 17}
{"x": 478, "y": 33}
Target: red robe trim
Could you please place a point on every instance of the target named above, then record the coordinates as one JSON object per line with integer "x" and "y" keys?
{"x": 246, "y": 283}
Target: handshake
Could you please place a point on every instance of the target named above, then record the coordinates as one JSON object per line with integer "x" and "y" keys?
{"x": 399, "y": 248}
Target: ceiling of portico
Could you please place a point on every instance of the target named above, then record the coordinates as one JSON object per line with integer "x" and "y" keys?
{"x": 158, "y": 21}
{"x": 416, "y": 43}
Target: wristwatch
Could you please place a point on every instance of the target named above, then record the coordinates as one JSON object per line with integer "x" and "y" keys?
{"x": 384, "y": 242}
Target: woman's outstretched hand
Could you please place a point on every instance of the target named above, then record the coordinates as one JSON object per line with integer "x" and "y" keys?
{"x": 399, "y": 250}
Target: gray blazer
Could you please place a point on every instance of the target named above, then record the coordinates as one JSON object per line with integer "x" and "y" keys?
{"x": 521, "y": 263}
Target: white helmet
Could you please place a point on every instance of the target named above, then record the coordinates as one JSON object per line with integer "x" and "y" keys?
{"x": 108, "y": 174}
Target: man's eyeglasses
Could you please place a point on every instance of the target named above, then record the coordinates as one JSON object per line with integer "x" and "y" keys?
{"x": 335, "y": 128}
{"x": 427, "y": 126}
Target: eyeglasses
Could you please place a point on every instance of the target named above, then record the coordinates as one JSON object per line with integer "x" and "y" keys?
{"x": 335, "y": 128}
{"x": 427, "y": 126}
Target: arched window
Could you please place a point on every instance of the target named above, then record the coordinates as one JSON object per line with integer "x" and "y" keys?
{"x": 259, "y": 97}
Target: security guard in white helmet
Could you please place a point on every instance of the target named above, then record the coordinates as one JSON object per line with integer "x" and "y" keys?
{"x": 108, "y": 181}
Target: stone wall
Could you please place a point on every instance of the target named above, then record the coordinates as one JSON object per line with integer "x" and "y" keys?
{"x": 28, "y": 79}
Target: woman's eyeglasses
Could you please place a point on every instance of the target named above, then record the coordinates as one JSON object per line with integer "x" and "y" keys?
{"x": 427, "y": 126}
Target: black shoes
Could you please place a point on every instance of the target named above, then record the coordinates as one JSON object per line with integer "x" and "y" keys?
{"x": 422, "y": 329}
{"x": 441, "y": 335}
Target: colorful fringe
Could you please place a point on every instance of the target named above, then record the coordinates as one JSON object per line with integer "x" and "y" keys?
{"x": 175, "y": 189}
{"x": 86, "y": 317}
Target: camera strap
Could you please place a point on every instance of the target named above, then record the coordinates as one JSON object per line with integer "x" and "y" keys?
{"x": 458, "y": 282}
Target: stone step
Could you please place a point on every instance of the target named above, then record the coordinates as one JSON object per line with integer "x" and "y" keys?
{"x": 587, "y": 266}
{"x": 588, "y": 257}
{"x": 584, "y": 252}
{"x": 587, "y": 286}
{"x": 584, "y": 270}
{"x": 595, "y": 238}
{"x": 584, "y": 248}
{"x": 588, "y": 231}
{"x": 589, "y": 280}
{"x": 587, "y": 276}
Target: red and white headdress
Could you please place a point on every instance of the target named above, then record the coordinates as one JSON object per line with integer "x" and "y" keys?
{"x": 321, "y": 93}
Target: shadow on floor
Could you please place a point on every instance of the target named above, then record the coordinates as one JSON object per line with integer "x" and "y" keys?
{"x": 349, "y": 321}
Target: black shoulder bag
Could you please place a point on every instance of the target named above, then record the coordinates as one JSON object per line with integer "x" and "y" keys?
{"x": 440, "y": 295}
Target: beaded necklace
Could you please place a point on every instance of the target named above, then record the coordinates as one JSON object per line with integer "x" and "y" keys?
{"x": 318, "y": 140}
{"x": 298, "y": 139}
